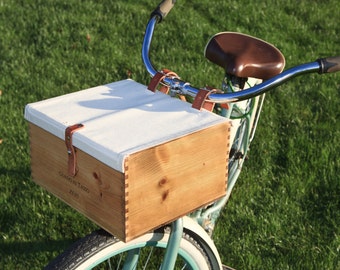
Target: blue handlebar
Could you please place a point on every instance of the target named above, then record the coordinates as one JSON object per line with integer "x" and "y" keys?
{"x": 186, "y": 89}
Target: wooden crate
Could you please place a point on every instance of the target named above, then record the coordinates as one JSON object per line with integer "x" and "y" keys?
{"x": 157, "y": 183}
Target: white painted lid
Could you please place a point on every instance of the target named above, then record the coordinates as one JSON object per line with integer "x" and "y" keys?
{"x": 119, "y": 119}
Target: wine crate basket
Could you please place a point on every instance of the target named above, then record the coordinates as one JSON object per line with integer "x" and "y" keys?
{"x": 128, "y": 159}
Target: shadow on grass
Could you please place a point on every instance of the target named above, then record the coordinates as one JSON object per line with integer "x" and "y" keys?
{"x": 17, "y": 248}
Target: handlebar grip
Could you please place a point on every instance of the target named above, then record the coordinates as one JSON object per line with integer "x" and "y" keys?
{"x": 163, "y": 9}
{"x": 329, "y": 64}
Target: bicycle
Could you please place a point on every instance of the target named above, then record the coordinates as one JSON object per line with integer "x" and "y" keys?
{"x": 189, "y": 237}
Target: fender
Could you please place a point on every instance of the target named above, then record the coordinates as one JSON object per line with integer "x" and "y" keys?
{"x": 205, "y": 240}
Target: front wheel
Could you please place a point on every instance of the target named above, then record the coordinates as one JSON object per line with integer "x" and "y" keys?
{"x": 100, "y": 250}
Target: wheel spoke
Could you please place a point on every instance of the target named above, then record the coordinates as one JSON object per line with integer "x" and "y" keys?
{"x": 148, "y": 258}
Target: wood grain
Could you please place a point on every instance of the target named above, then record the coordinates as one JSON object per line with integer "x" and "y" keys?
{"x": 159, "y": 185}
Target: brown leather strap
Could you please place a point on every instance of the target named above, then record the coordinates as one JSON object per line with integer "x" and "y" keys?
{"x": 158, "y": 78}
{"x": 168, "y": 73}
{"x": 182, "y": 97}
{"x": 225, "y": 106}
{"x": 202, "y": 100}
{"x": 155, "y": 81}
{"x": 71, "y": 150}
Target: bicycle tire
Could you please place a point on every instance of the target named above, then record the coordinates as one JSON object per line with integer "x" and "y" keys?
{"x": 101, "y": 250}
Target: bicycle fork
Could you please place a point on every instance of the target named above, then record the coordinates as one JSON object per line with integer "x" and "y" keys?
{"x": 172, "y": 248}
{"x": 171, "y": 252}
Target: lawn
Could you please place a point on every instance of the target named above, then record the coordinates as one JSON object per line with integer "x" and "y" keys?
{"x": 284, "y": 211}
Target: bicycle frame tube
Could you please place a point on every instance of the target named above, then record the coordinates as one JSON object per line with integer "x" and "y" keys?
{"x": 186, "y": 89}
{"x": 173, "y": 245}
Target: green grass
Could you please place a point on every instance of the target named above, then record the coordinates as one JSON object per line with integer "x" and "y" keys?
{"x": 284, "y": 212}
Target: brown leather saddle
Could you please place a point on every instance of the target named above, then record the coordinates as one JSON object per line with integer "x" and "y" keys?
{"x": 244, "y": 56}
